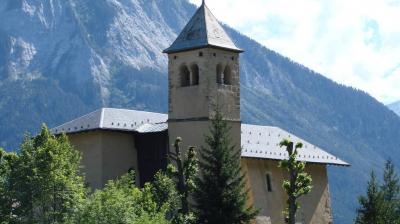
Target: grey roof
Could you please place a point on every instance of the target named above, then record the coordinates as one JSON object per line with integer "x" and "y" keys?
{"x": 115, "y": 119}
{"x": 203, "y": 30}
{"x": 261, "y": 142}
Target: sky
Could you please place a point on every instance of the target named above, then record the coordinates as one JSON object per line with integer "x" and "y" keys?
{"x": 353, "y": 42}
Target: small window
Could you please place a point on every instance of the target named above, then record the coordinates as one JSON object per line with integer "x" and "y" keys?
{"x": 269, "y": 183}
{"x": 184, "y": 75}
{"x": 227, "y": 76}
{"x": 195, "y": 75}
{"x": 200, "y": 54}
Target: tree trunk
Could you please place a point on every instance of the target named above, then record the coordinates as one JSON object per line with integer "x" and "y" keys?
{"x": 181, "y": 180}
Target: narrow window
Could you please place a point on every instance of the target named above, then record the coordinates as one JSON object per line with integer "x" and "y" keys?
{"x": 184, "y": 75}
{"x": 269, "y": 184}
{"x": 227, "y": 76}
{"x": 195, "y": 75}
{"x": 220, "y": 74}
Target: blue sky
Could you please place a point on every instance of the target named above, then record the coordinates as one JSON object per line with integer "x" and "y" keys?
{"x": 354, "y": 42}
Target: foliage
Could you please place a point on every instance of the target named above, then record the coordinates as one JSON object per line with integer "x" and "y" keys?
{"x": 41, "y": 184}
{"x": 382, "y": 202}
{"x": 391, "y": 194}
{"x": 166, "y": 194}
{"x": 121, "y": 202}
{"x": 299, "y": 182}
{"x": 219, "y": 194}
{"x": 185, "y": 173}
{"x": 371, "y": 210}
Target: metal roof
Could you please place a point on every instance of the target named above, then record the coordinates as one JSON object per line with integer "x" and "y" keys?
{"x": 260, "y": 142}
{"x": 115, "y": 119}
{"x": 263, "y": 142}
{"x": 203, "y": 30}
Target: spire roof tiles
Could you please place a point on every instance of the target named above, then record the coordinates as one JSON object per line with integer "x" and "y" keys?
{"x": 203, "y": 30}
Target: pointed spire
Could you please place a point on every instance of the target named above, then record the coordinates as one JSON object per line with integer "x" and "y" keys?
{"x": 204, "y": 2}
{"x": 203, "y": 30}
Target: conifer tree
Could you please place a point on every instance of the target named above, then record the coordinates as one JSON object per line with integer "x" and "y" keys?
{"x": 299, "y": 182}
{"x": 371, "y": 209}
{"x": 391, "y": 194}
{"x": 221, "y": 194}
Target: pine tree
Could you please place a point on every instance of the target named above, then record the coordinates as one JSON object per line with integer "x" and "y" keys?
{"x": 220, "y": 194}
{"x": 299, "y": 182}
{"x": 371, "y": 209}
{"x": 391, "y": 194}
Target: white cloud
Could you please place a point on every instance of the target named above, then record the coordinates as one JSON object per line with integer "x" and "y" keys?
{"x": 356, "y": 42}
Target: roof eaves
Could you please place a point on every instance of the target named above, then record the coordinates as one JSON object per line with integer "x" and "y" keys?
{"x": 344, "y": 164}
{"x": 183, "y": 49}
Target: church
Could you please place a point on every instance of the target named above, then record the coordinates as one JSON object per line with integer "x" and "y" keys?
{"x": 203, "y": 71}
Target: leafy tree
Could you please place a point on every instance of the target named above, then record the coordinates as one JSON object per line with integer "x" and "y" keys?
{"x": 185, "y": 172}
{"x": 121, "y": 202}
{"x": 219, "y": 194}
{"x": 41, "y": 184}
{"x": 166, "y": 194}
{"x": 372, "y": 205}
{"x": 299, "y": 182}
{"x": 5, "y": 194}
{"x": 176, "y": 185}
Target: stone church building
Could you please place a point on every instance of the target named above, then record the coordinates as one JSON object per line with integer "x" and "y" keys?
{"x": 203, "y": 70}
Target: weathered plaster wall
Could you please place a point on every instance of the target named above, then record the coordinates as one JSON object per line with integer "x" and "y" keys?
{"x": 106, "y": 155}
{"x": 193, "y": 132}
{"x": 315, "y": 207}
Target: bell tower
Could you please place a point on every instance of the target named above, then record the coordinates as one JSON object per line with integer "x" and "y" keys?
{"x": 203, "y": 71}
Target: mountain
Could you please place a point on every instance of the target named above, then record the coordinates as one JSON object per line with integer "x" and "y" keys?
{"x": 60, "y": 59}
{"x": 395, "y": 107}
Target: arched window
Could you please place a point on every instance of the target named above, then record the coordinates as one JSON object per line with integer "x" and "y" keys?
{"x": 195, "y": 75}
{"x": 220, "y": 74}
{"x": 227, "y": 75}
{"x": 268, "y": 181}
{"x": 184, "y": 75}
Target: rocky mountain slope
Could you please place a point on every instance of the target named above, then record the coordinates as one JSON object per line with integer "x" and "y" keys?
{"x": 60, "y": 59}
{"x": 395, "y": 107}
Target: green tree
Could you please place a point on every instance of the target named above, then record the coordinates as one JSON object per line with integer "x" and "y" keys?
{"x": 175, "y": 187}
{"x": 5, "y": 194}
{"x": 166, "y": 194}
{"x": 121, "y": 202}
{"x": 299, "y": 182}
{"x": 185, "y": 173}
{"x": 220, "y": 194}
{"x": 372, "y": 205}
{"x": 391, "y": 194}
{"x": 42, "y": 182}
